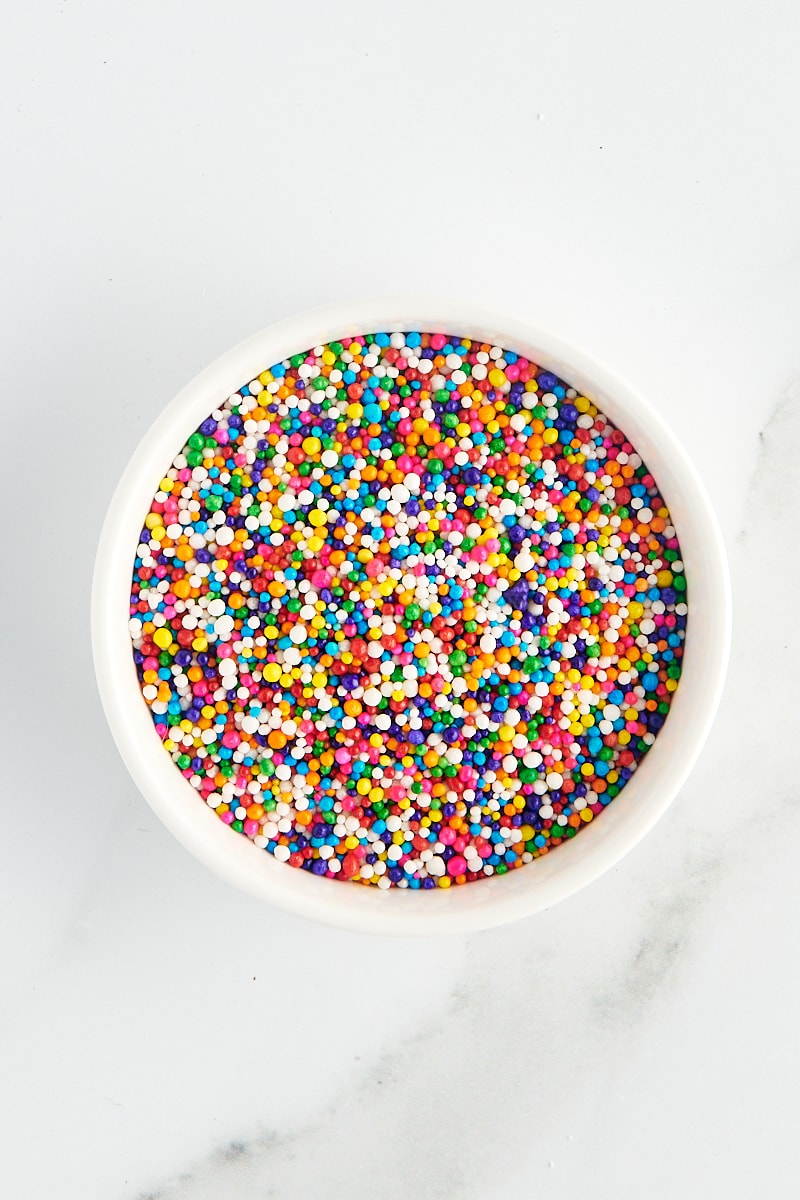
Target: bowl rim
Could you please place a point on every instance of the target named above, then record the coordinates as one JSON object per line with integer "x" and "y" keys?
{"x": 493, "y": 901}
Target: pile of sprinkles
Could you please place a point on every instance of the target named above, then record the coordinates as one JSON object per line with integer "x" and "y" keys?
{"x": 408, "y": 610}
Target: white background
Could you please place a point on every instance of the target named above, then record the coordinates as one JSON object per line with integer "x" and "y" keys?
{"x": 177, "y": 175}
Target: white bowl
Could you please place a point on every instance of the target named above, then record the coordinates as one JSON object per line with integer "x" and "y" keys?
{"x": 484, "y": 903}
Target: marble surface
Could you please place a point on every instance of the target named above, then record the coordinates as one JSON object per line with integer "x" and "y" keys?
{"x": 178, "y": 176}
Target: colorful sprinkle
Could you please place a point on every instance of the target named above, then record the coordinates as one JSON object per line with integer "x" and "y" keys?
{"x": 408, "y": 610}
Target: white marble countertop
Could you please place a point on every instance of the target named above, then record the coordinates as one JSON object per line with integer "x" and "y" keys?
{"x": 177, "y": 176}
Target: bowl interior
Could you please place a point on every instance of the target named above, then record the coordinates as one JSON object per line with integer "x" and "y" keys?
{"x": 486, "y": 902}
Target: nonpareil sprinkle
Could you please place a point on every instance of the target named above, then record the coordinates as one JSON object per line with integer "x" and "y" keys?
{"x": 407, "y": 610}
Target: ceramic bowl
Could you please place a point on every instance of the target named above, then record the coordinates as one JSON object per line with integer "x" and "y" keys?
{"x": 487, "y": 902}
